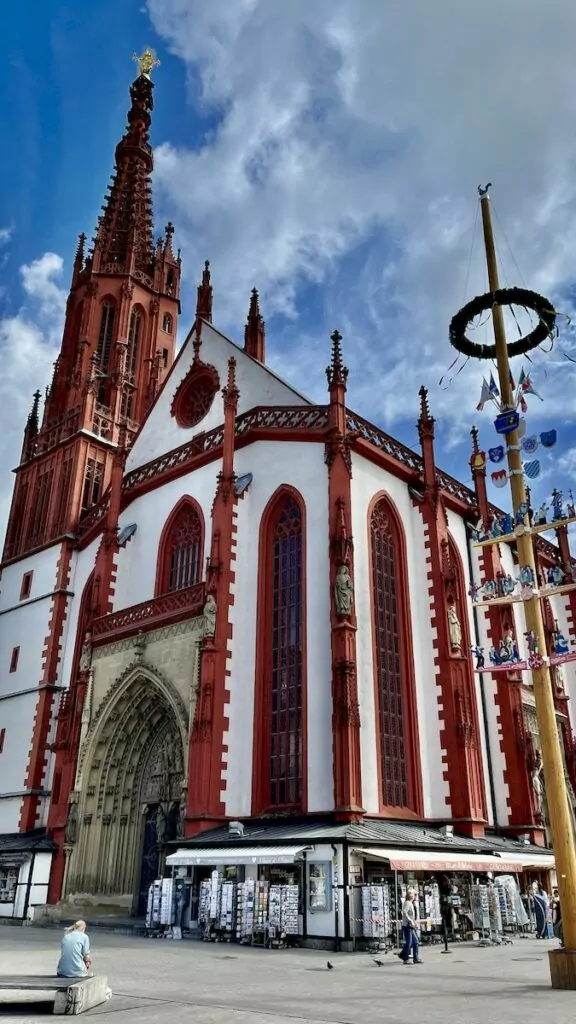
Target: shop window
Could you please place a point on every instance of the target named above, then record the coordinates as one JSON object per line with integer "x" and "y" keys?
{"x": 319, "y": 886}
{"x": 393, "y": 664}
{"x": 14, "y": 659}
{"x": 2, "y": 738}
{"x": 26, "y": 585}
{"x": 8, "y": 884}
{"x": 280, "y": 701}
{"x": 181, "y": 549}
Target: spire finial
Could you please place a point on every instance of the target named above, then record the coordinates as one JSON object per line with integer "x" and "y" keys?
{"x": 147, "y": 62}
{"x": 336, "y": 373}
{"x": 424, "y": 407}
{"x": 474, "y": 436}
{"x": 231, "y": 393}
{"x": 255, "y": 330}
{"x": 79, "y": 257}
{"x": 204, "y": 299}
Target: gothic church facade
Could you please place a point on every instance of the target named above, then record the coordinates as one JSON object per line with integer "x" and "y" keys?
{"x": 220, "y": 601}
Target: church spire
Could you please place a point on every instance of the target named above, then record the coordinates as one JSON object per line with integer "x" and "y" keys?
{"x": 204, "y": 300}
{"x": 123, "y": 239}
{"x": 255, "y": 330}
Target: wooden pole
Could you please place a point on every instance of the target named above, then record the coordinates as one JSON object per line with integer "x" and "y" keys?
{"x": 552, "y": 760}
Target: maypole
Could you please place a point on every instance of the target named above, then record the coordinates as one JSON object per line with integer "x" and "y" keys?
{"x": 562, "y": 961}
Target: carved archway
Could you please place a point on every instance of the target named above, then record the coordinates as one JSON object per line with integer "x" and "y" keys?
{"x": 133, "y": 769}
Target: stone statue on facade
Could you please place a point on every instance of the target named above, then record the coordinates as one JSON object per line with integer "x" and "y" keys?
{"x": 209, "y": 616}
{"x": 160, "y": 823}
{"x": 86, "y": 654}
{"x": 71, "y": 833}
{"x": 454, "y": 629}
{"x": 343, "y": 591}
{"x": 537, "y": 784}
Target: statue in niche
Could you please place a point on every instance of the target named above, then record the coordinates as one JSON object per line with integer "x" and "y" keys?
{"x": 537, "y": 784}
{"x": 160, "y": 823}
{"x": 209, "y": 616}
{"x": 454, "y": 629}
{"x": 71, "y": 833}
{"x": 86, "y": 654}
{"x": 140, "y": 646}
{"x": 343, "y": 591}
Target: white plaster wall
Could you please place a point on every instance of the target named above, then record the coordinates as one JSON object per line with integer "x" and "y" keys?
{"x": 367, "y": 481}
{"x": 17, "y": 717}
{"x": 258, "y": 385}
{"x": 80, "y": 569}
{"x": 136, "y": 563}
{"x": 459, "y": 535}
{"x": 302, "y": 467}
{"x": 44, "y": 565}
{"x": 501, "y": 790}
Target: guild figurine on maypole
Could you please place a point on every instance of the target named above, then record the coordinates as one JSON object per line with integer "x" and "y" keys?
{"x": 519, "y": 527}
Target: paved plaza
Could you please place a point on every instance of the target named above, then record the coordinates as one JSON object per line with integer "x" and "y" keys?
{"x": 165, "y": 981}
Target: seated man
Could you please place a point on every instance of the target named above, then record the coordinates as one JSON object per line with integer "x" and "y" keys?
{"x": 75, "y": 960}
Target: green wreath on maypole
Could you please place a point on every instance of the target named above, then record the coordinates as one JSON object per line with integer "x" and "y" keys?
{"x": 461, "y": 321}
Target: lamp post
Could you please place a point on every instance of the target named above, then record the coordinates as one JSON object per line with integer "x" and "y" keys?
{"x": 562, "y": 961}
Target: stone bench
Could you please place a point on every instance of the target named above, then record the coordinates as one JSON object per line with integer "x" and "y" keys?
{"x": 69, "y": 995}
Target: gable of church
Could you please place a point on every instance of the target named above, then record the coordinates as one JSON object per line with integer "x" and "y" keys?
{"x": 191, "y": 401}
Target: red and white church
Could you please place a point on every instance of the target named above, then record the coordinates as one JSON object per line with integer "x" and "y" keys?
{"x": 223, "y": 603}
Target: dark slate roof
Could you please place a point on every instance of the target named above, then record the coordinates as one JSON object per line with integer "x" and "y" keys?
{"x": 368, "y": 832}
{"x": 35, "y": 841}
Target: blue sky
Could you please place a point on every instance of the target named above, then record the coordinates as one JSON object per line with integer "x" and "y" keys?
{"x": 330, "y": 159}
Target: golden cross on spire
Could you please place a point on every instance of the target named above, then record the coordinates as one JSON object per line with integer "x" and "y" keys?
{"x": 146, "y": 62}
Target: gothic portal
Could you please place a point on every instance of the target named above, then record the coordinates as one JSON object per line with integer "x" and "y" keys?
{"x": 127, "y": 803}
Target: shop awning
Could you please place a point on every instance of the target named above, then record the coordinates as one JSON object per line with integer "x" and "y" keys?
{"x": 236, "y": 855}
{"x": 430, "y": 860}
{"x": 530, "y": 860}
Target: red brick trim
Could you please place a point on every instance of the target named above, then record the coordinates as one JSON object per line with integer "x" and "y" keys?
{"x": 261, "y": 734}
{"x": 38, "y": 760}
{"x": 162, "y": 561}
{"x": 415, "y": 804}
{"x": 66, "y": 745}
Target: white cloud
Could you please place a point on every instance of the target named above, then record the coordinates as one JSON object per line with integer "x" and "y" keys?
{"x": 5, "y": 236}
{"x": 29, "y": 344}
{"x": 337, "y": 126}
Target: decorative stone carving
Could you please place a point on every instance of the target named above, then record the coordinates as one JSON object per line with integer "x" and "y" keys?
{"x": 209, "y": 616}
{"x": 86, "y": 654}
{"x": 454, "y": 629}
{"x": 344, "y": 591}
{"x": 140, "y": 646}
{"x": 538, "y": 784}
{"x": 71, "y": 833}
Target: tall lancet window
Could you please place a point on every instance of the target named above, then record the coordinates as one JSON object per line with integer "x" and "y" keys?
{"x": 396, "y": 731}
{"x": 134, "y": 337}
{"x": 105, "y": 333}
{"x": 279, "y": 725}
{"x": 181, "y": 549}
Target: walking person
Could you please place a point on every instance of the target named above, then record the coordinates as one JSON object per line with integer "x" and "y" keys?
{"x": 557, "y": 918}
{"x": 75, "y": 960}
{"x": 410, "y": 928}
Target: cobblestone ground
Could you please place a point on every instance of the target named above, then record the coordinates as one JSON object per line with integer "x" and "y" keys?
{"x": 171, "y": 982}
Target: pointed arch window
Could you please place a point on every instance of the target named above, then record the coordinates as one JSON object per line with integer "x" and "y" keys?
{"x": 105, "y": 333}
{"x": 396, "y": 729}
{"x": 131, "y": 363}
{"x": 181, "y": 549}
{"x": 167, "y": 323}
{"x": 279, "y": 728}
